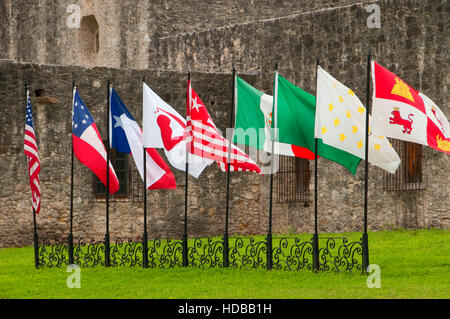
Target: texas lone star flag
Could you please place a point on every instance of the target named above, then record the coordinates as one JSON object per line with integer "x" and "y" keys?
{"x": 126, "y": 137}
{"x": 403, "y": 113}
{"x": 87, "y": 143}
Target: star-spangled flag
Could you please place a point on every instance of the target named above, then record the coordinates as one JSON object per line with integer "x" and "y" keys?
{"x": 30, "y": 150}
{"x": 341, "y": 123}
{"x": 205, "y": 140}
{"x": 406, "y": 114}
{"x": 126, "y": 137}
{"x": 87, "y": 143}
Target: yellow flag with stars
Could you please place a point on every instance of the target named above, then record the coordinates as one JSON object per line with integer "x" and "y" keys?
{"x": 341, "y": 122}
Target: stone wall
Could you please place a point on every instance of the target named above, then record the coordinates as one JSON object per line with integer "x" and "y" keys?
{"x": 129, "y": 31}
{"x": 412, "y": 42}
{"x": 165, "y": 39}
{"x": 52, "y": 121}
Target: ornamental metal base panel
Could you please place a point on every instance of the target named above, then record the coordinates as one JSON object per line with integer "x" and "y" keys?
{"x": 337, "y": 254}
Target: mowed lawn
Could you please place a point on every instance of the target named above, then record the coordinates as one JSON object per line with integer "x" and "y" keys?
{"x": 414, "y": 264}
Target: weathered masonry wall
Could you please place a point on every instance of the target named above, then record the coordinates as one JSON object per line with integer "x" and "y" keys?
{"x": 53, "y": 127}
{"x": 413, "y": 42}
{"x": 163, "y": 40}
{"x": 132, "y": 33}
{"x": 38, "y": 32}
{"x": 340, "y": 193}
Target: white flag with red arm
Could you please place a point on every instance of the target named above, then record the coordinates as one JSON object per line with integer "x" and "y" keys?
{"x": 165, "y": 128}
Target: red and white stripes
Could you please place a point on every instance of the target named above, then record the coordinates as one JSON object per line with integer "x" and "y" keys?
{"x": 205, "y": 140}
{"x": 30, "y": 150}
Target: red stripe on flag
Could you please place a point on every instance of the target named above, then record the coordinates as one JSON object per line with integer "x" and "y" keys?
{"x": 34, "y": 167}
{"x": 391, "y": 87}
{"x": 90, "y": 157}
{"x": 436, "y": 139}
{"x": 167, "y": 181}
{"x": 207, "y": 142}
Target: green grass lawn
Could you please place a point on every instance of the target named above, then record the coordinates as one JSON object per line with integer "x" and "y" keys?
{"x": 414, "y": 264}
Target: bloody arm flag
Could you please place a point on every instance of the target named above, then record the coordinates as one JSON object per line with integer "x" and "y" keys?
{"x": 165, "y": 128}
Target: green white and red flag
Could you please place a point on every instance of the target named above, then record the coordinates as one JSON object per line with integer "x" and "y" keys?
{"x": 253, "y": 125}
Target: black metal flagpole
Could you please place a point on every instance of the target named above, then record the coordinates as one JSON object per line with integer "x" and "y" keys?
{"x": 316, "y": 233}
{"x": 365, "y": 239}
{"x": 70, "y": 238}
{"x": 185, "y": 243}
{"x": 273, "y": 136}
{"x": 35, "y": 235}
{"x": 36, "y": 241}
{"x": 144, "y": 237}
{"x": 107, "y": 244}
{"x": 226, "y": 260}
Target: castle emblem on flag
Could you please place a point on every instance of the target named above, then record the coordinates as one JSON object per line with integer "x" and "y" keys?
{"x": 442, "y": 144}
{"x": 402, "y": 89}
{"x": 431, "y": 127}
{"x": 397, "y": 119}
{"x": 433, "y": 110}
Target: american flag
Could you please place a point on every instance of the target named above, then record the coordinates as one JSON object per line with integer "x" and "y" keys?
{"x": 30, "y": 150}
{"x": 206, "y": 141}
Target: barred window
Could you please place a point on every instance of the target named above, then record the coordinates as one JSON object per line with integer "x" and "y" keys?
{"x": 409, "y": 174}
{"x": 293, "y": 180}
{"x": 130, "y": 182}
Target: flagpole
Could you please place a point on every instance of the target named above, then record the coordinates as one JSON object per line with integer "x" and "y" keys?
{"x": 316, "y": 233}
{"x": 35, "y": 235}
{"x": 144, "y": 237}
{"x": 273, "y": 136}
{"x": 107, "y": 246}
{"x": 225, "y": 236}
{"x": 70, "y": 238}
{"x": 36, "y": 241}
{"x": 185, "y": 246}
{"x": 365, "y": 239}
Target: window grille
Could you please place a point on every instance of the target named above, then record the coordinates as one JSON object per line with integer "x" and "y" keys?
{"x": 409, "y": 174}
{"x": 293, "y": 180}
{"x": 130, "y": 182}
